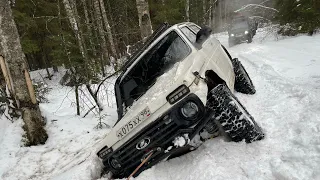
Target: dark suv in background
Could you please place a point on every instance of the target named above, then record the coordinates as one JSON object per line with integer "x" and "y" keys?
{"x": 241, "y": 29}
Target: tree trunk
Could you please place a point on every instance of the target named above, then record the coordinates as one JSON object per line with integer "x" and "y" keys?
{"x": 210, "y": 13}
{"x": 225, "y": 13}
{"x": 94, "y": 95}
{"x": 204, "y": 9}
{"x": 88, "y": 25}
{"x": 144, "y": 18}
{"x": 102, "y": 39}
{"x": 45, "y": 62}
{"x": 220, "y": 15}
{"x": 63, "y": 41}
{"x": 77, "y": 99}
{"x": 187, "y": 10}
{"x": 108, "y": 29}
{"x": 72, "y": 14}
{"x": 17, "y": 69}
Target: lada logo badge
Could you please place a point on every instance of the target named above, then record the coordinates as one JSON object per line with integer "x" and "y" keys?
{"x": 143, "y": 143}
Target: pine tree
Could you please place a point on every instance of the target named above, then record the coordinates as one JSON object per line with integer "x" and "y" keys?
{"x": 302, "y": 15}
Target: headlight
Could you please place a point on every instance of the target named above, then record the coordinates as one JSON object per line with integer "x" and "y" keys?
{"x": 246, "y": 32}
{"x": 114, "y": 163}
{"x": 189, "y": 110}
{"x": 232, "y": 35}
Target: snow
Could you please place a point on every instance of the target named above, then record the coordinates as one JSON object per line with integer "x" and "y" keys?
{"x": 69, "y": 153}
{"x": 286, "y": 74}
{"x": 181, "y": 140}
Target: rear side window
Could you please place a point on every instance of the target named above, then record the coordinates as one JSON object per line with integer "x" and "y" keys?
{"x": 194, "y": 28}
{"x": 189, "y": 34}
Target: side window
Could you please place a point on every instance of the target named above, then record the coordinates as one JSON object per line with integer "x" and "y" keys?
{"x": 177, "y": 50}
{"x": 190, "y": 35}
{"x": 195, "y": 28}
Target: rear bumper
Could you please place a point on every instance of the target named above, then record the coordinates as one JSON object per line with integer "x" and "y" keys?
{"x": 161, "y": 133}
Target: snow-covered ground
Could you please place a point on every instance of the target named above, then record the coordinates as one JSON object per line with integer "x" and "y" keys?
{"x": 287, "y": 78}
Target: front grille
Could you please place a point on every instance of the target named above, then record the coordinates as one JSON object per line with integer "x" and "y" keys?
{"x": 161, "y": 135}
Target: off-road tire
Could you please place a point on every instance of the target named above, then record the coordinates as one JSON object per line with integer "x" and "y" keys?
{"x": 249, "y": 38}
{"x": 232, "y": 117}
{"x": 243, "y": 82}
{"x": 231, "y": 43}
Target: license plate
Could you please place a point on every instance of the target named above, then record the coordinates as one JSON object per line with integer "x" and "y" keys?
{"x": 124, "y": 130}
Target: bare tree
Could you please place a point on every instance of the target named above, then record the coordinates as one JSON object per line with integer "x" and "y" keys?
{"x": 144, "y": 18}
{"x": 16, "y": 66}
{"x": 187, "y": 6}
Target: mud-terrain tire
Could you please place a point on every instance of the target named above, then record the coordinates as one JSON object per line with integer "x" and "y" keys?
{"x": 243, "y": 82}
{"x": 232, "y": 117}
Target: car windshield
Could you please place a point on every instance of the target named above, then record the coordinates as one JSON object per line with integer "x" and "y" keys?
{"x": 158, "y": 60}
{"x": 239, "y": 23}
{"x": 242, "y": 25}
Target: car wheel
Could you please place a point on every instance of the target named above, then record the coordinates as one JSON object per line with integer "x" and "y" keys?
{"x": 231, "y": 42}
{"x": 243, "y": 82}
{"x": 249, "y": 40}
{"x": 235, "y": 121}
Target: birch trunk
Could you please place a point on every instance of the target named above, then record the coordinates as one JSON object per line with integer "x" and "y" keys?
{"x": 17, "y": 69}
{"x": 187, "y": 6}
{"x": 108, "y": 29}
{"x": 102, "y": 39}
{"x": 204, "y": 9}
{"x": 72, "y": 14}
{"x": 144, "y": 18}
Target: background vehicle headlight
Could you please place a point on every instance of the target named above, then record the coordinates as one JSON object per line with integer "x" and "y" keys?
{"x": 189, "y": 110}
{"x": 232, "y": 35}
{"x": 246, "y": 32}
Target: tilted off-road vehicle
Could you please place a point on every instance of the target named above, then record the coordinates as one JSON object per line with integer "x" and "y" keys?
{"x": 174, "y": 93}
{"x": 241, "y": 29}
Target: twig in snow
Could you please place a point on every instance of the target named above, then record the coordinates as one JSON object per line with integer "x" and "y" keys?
{"x": 63, "y": 100}
{"x": 88, "y": 111}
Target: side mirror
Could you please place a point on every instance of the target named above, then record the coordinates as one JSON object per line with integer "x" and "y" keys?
{"x": 203, "y": 35}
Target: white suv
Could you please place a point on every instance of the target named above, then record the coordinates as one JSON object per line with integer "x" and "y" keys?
{"x": 172, "y": 94}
